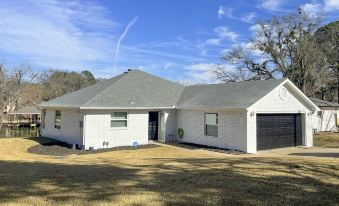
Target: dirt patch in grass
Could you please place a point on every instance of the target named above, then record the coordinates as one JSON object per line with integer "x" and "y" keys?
{"x": 327, "y": 139}
{"x": 53, "y": 147}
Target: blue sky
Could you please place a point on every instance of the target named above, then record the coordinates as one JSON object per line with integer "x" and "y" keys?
{"x": 180, "y": 40}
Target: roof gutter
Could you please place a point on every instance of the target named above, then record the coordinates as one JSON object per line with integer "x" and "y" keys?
{"x": 24, "y": 113}
{"x": 105, "y": 108}
{"x": 57, "y": 107}
{"x": 211, "y": 108}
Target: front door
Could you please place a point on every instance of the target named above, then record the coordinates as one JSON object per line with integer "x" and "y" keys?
{"x": 153, "y": 122}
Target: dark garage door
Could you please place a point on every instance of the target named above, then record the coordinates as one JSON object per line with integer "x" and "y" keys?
{"x": 278, "y": 130}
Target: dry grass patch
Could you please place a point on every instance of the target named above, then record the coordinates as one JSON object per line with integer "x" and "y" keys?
{"x": 164, "y": 175}
{"x": 327, "y": 139}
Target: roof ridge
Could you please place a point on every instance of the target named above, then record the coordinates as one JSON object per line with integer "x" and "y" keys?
{"x": 241, "y": 82}
{"x": 179, "y": 97}
{"x": 143, "y": 72}
{"x": 123, "y": 76}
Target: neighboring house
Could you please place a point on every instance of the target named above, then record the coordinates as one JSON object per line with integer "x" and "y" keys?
{"x": 326, "y": 119}
{"x": 25, "y": 115}
{"x": 136, "y": 107}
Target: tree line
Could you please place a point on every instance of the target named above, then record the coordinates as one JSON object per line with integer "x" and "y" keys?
{"x": 293, "y": 46}
{"x": 22, "y": 86}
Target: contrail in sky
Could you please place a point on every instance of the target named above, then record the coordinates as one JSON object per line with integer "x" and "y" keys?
{"x": 122, "y": 36}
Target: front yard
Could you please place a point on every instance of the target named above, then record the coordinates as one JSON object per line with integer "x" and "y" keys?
{"x": 166, "y": 175}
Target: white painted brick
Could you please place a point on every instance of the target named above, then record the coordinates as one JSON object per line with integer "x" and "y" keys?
{"x": 231, "y": 128}
{"x": 98, "y": 130}
{"x": 70, "y": 131}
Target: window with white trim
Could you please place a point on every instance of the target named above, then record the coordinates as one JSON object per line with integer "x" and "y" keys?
{"x": 57, "y": 120}
{"x": 119, "y": 119}
{"x": 211, "y": 124}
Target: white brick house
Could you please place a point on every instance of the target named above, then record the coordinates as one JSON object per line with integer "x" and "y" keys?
{"x": 137, "y": 107}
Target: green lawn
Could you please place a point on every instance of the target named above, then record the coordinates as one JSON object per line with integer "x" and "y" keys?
{"x": 327, "y": 139}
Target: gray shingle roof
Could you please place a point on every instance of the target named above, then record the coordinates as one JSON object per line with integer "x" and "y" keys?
{"x": 226, "y": 95}
{"x": 137, "y": 89}
{"x": 323, "y": 103}
{"x": 26, "y": 110}
{"x": 82, "y": 96}
{"x": 132, "y": 89}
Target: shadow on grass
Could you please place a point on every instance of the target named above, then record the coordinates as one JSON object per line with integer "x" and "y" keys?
{"x": 192, "y": 146}
{"x": 317, "y": 154}
{"x": 199, "y": 182}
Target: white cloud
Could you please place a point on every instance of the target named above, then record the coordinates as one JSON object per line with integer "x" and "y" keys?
{"x": 250, "y": 47}
{"x": 169, "y": 65}
{"x": 254, "y": 28}
{"x": 312, "y": 9}
{"x": 249, "y": 17}
{"x": 214, "y": 42}
{"x": 221, "y": 12}
{"x": 224, "y": 33}
{"x": 228, "y": 12}
{"x": 273, "y": 5}
{"x": 67, "y": 35}
{"x": 201, "y": 73}
{"x": 331, "y": 5}
{"x": 161, "y": 53}
{"x": 318, "y": 9}
{"x": 204, "y": 72}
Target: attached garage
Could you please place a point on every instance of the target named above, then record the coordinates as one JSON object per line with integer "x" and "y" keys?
{"x": 282, "y": 118}
{"x": 278, "y": 130}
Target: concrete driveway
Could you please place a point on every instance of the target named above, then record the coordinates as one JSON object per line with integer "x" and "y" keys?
{"x": 290, "y": 151}
{"x": 303, "y": 151}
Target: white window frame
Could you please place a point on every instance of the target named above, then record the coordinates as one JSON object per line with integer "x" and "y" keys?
{"x": 118, "y": 119}
{"x": 57, "y": 124}
{"x": 217, "y": 120}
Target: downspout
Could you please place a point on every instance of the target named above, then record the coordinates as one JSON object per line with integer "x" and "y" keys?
{"x": 83, "y": 132}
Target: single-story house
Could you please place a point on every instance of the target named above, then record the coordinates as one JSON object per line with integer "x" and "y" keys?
{"x": 137, "y": 107}
{"x": 326, "y": 119}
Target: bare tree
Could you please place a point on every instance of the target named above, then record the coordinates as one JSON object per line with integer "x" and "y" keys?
{"x": 286, "y": 47}
{"x": 309, "y": 63}
{"x": 12, "y": 85}
{"x": 327, "y": 38}
{"x": 247, "y": 68}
